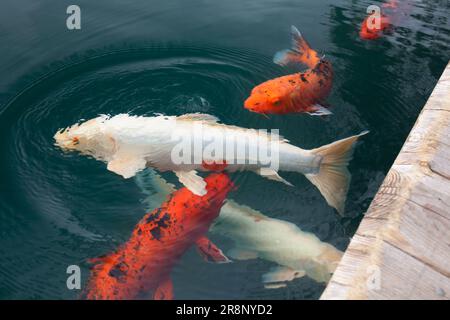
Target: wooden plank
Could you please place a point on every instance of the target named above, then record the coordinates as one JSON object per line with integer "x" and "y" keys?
{"x": 400, "y": 276}
{"x": 401, "y": 249}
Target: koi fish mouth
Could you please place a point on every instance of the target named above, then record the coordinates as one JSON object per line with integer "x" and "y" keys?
{"x": 252, "y": 105}
{"x": 63, "y": 140}
{"x": 247, "y": 104}
{"x": 66, "y": 139}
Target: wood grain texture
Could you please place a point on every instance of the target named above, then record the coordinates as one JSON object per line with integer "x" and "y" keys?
{"x": 401, "y": 249}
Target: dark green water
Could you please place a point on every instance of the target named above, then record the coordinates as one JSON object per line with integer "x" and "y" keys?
{"x": 189, "y": 56}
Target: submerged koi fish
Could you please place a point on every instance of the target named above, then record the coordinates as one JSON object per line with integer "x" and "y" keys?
{"x": 256, "y": 236}
{"x": 370, "y": 30}
{"x": 299, "y": 92}
{"x": 140, "y": 269}
{"x": 297, "y": 253}
{"x": 128, "y": 144}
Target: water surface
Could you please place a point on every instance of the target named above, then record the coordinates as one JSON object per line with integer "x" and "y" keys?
{"x": 177, "y": 57}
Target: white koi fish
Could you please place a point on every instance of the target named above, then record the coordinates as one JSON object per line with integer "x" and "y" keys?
{"x": 297, "y": 253}
{"x": 128, "y": 144}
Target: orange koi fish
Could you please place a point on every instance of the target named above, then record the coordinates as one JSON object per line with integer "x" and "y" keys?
{"x": 372, "y": 31}
{"x": 140, "y": 269}
{"x": 299, "y": 92}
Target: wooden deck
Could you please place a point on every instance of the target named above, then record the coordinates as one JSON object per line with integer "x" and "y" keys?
{"x": 401, "y": 250}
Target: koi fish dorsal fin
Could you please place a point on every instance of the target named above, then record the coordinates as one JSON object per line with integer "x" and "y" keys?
{"x": 192, "y": 181}
{"x": 300, "y": 52}
{"x": 210, "y": 252}
{"x": 198, "y": 117}
{"x": 233, "y": 208}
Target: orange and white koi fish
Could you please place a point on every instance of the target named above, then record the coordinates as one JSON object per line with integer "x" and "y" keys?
{"x": 256, "y": 236}
{"x": 299, "y": 92}
{"x": 140, "y": 269}
{"x": 372, "y": 29}
{"x": 295, "y": 252}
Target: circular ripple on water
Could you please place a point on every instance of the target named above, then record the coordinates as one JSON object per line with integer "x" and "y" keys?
{"x": 81, "y": 209}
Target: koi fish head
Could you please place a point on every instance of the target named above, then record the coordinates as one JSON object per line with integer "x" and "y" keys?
{"x": 201, "y": 210}
{"x": 218, "y": 185}
{"x": 330, "y": 257}
{"x": 265, "y": 98}
{"x": 87, "y": 138}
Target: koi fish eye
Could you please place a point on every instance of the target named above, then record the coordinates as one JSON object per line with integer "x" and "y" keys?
{"x": 276, "y": 102}
{"x": 75, "y": 141}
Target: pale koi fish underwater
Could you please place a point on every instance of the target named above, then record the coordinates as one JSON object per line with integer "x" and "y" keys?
{"x": 117, "y": 179}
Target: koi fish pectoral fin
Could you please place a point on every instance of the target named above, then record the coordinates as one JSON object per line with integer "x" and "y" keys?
{"x": 210, "y": 252}
{"x": 319, "y": 110}
{"x": 275, "y": 285}
{"x": 164, "y": 290}
{"x": 192, "y": 181}
{"x": 277, "y": 276}
{"x": 126, "y": 166}
{"x": 242, "y": 254}
{"x": 272, "y": 175}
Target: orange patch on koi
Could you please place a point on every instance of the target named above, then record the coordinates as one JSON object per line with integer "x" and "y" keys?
{"x": 299, "y": 92}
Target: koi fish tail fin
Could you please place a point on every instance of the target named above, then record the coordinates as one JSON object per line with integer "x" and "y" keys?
{"x": 301, "y": 52}
{"x": 333, "y": 179}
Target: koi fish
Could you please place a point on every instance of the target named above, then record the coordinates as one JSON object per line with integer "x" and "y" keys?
{"x": 371, "y": 30}
{"x": 140, "y": 268}
{"x": 128, "y": 144}
{"x": 299, "y": 92}
{"x": 297, "y": 253}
